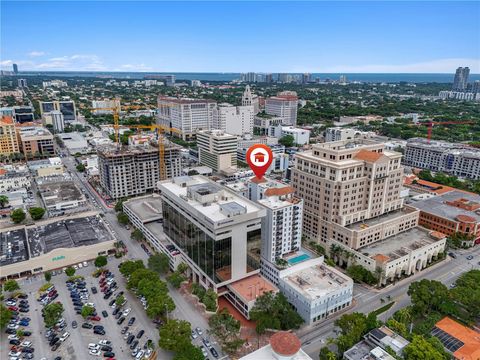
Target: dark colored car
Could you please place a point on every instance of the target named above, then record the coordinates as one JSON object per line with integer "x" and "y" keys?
{"x": 27, "y": 333}
{"x": 54, "y": 341}
{"x": 98, "y": 327}
{"x": 131, "y": 321}
{"x": 99, "y": 331}
{"x": 107, "y": 295}
{"x": 119, "y": 315}
{"x": 87, "y": 325}
{"x": 24, "y": 310}
{"x": 140, "y": 334}
{"x": 116, "y": 311}
{"x": 134, "y": 345}
{"x": 214, "y": 352}
{"x": 106, "y": 348}
{"x": 109, "y": 354}
{"x": 14, "y": 342}
{"x": 111, "y": 302}
{"x": 10, "y": 331}
{"x": 130, "y": 339}
{"x": 23, "y": 296}
{"x": 120, "y": 321}
{"x": 124, "y": 330}
{"x": 104, "y": 313}
{"x": 28, "y": 350}
{"x": 94, "y": 289}
{"x": 56, "y": 346}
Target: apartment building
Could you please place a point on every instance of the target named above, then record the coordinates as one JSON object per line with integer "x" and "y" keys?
{"x": 283, "y": 105}
{"x": 300, "y": 136}
{"x": 66, "y": 108}
{"x": 452, "y": 212}
{"x": 452, "y": 158}
{"x": 339, "y": 134}
{"x": 217, "y": 231}
{"x": 217, "y": 149}
{"x": 8, "y": 136}
{"x": 36, "y": 139}
{"x": 134, "y": 170}
{"x": 235, "y": 120}
{"x": 186, "y": 115}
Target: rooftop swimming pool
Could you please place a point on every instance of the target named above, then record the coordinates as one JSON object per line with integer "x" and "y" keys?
{"x": 298, "y": 258}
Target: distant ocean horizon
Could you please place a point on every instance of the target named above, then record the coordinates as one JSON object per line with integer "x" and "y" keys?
{"x": 205, "y": 76}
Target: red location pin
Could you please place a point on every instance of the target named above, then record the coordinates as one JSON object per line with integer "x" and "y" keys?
{"x": 259, "y": 157}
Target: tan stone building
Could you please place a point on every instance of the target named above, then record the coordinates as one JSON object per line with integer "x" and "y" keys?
{"x": 36, "y": 139}
{"x": 8, "y": 137}
{"x": 351, "y": 191}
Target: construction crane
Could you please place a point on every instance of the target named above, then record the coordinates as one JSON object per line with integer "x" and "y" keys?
{"x": 430, "y": 125}
{"x": 116, "y": 114}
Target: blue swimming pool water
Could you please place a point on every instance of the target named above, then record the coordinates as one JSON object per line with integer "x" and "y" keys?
{"x": 298, "y": 259}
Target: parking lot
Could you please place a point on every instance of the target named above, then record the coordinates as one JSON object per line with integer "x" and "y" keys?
{"x": 76, "y": 345}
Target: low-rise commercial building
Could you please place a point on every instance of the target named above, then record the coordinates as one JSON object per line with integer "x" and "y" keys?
{"x": 46, "y": 167}
{"x": 14, "y": 178}
{"x": 452, "y": 212}
{"x": 75, "y": 142}
{"x": 36, "y": 139}
{"x": 217, "y": 149}
{"x": 460, "y": 341}
{"x": 300, "y": 136}
{"x": 60, "y": 195}
{"x": 53, "y": 244}
{"x": 316, "y": 290}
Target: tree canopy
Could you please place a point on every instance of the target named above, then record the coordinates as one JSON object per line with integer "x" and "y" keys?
{"x": 175, "y": 335}
{"x": 227, "y": 330}
{"x": 36, "y": 212}
{"x": 10, "y": 285}
{"x": 128, "y": 267}
{"x": 87, "y": 311}
{"x": 52, "y": 313}
{"x": 159, "y": 262}
{"x": 70, "y": 271}
{"x": 101, "y": 261}
{"x": 5, "y": 316}
{"x": 421, "y": 349}
{"x": 18, "y": 215}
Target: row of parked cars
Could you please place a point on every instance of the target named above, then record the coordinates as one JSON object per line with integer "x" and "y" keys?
{"x": 20, "y": 347}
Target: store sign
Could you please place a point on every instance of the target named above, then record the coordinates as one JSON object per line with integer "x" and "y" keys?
{"x": 57, "y": 258}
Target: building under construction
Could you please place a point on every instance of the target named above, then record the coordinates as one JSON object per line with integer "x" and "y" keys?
{"x": 135, "y": 170}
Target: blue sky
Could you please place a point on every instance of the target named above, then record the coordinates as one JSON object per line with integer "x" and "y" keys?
{"x": 241, "y": 36}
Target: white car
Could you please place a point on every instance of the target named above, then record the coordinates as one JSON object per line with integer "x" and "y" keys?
{"x": 104, "y": 342}
{"x": 85, "y": 264}
{"x": 65, "y": 335}
{"x": 75, "y": 267}
{"x": 127, "y": 334}
{"x": 80, "y": 265}
{"x": 94, "y": 352}
{"x": 12, "y": 326}
{"x": 27, "y": 343}
{"x": 114, "y": 306}
{"x": 14, "y": 353}
{"x": 10, "y": 303}
{"x": 140, "y": 355}
{"x": 199, "y": 331}
{"x": 126, "y": 311}
{"x": 93, "y": 346}
{"x": 13, "y": 337}
{"x": 204, "y": 351}
{"x": 90, "y": 304}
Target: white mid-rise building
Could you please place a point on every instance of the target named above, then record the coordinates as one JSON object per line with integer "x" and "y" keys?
{"x": 300, "y": 136}
{"x": 58, "y": 121}
{"x": 217, "y": 149}
{"x": 102, "y": 107}
{"x": 339, "y": 134}
{"x": 283, "y": 105}
{"x": 186, "y": 115}
{"x": 235, "y": 120}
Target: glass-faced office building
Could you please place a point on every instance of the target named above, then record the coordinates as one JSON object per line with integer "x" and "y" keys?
{"x": 217, "y": 231}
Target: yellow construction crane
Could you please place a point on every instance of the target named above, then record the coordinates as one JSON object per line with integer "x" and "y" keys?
{"x": 160, "y": 130}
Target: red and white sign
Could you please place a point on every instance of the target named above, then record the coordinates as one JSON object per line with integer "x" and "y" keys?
{"x": 259, "y": 157}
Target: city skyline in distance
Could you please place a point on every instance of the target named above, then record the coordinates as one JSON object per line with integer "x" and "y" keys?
{"x": 323, "y": 37}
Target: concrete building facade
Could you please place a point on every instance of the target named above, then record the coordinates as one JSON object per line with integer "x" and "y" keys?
{"x": 36, "y": 139}
{"x": 8, "y": 137}
{"x": 283, "y": 105}
{"x": 217, "y": 149}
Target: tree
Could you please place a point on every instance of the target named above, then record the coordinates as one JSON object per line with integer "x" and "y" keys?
{"x": 160, "y": 305}
{"x": 20, "y": 333}
{"x": 5, "y": 316}
{"x": 87, "y": 311}
{"x": 287, "y": 140}
{"x": 18, "y": 215}
{"x": 52, "y": 313}
{"x": 10, "y": 285}
{"x": 421, "y": 349}
{"x": 80, "y": 168}
{"x": 101, "y": 261}
{"x": 137, "y": 235}
{"x": 119, "y": 205}
{"x": 327, "y": 354}
{"x": 120, "y": 300}
{"x": 139, "y": 275}
{"x": 48, "y": 276}
{"x": 159, "y": 262}
{"x": 36, "y": 212}
{"x": 190, "y": 352}
{"x": 70, "y": 271}
{"x": 175, "y": 279}
{"x": 273, "y": 311}
{"x": 128, "y": 267}
{"x": 427, "y": 296}
{"x": 122, "y": 218}
{"x": 3, "y": 200}
{"x": 175, "y": 335}
{"x": 227, "y": 330}
{"x": 353, "y": 327}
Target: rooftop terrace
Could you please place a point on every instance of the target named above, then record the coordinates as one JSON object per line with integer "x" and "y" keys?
{"x": 146, "y": 208}
{"x": 362, "y": 225}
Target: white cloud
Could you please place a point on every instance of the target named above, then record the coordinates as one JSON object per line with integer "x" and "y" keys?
{"x": 433, "y": 66}
{"x": 6, "y": 63}
{"x": 135, "y": 67}
{"x": 76, "y": 62}
{"x": 36, "y": 53}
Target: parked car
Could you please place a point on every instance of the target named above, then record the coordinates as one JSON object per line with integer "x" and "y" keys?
{"x": 120, "y": 321}
{"x": 104, "y": 342}
{"x": 104, "y": 313}
{"x": 99, "y": 331}
{"x": 74, "y": 324}
{"x": 87, "y": 325}
{"x": 131, "y": 321}
{"x": 130, "y": 339}
{"x": 140, "y": 334}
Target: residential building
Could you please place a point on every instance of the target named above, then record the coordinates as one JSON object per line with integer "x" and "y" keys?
{"x": 14, "y": 178}
{"x": 451, "y": 212}
{"x": 56, "y": 119}
{"x": 300, "y": 136}
{"x": 195, "y": 83}
{"x": 282, "y": 345}
{"x": 349, "y": 182}
{"x": 476, "y": 87}
{"x": 339, "y": 134}
{"x": 66, "y": 108}
{"x": 283, "y": 105}
{"x": 459, "y": 95}
{"x": 169, "y": 80}
{"x": 267, "y": 125}
{"x": 36, "y": 139}
{"x": 54, "y": 83}
{"x": 15, "y": 69}
{"x": 460, "y": 82}
{"x": 280, "y": 162}
{"x": 250, "y": 99}
{"x": 217, "y": 149}
{"x": 8, "y": 136}
{"x": 186, "y": 115}
{"x": 460, "y": 341}
{"x": 316, "y": 290}
{"x": 452, "y": 158}
{"x": 23, "y": 114}
{"x": 134, "y": 170}
{"x": 217, "y": 231}
{"x": 235, "y": 120}
{"x": 102, "y": 107}
{"x": 22, "y": 83}
{"x": 53, "y": 244}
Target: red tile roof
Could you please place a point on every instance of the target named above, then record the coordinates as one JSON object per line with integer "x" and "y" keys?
{"x": 470, "y": 338}
{"x": 285, "y": 343}
{"x": 279, "y": 191}
{"x": 368, "y": 156}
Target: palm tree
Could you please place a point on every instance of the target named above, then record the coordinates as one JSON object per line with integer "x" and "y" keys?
{"x": 379, "y": 273}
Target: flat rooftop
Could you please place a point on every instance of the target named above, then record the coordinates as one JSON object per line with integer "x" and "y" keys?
{"x": 400, "y": 244}
{"x": 13, "y": 247}
{"x": 359, "y": 351}
{"x": 67, "y": 233}
{"x": 317, "y": 281}
{"x": 146, "y": 208}
{"x": 252, "y": 287}
{"x": 54, "y": 192}
{"x": 438, "y": 205}
{"x": 216, "y": 203}
{"x": 364, "y": 224}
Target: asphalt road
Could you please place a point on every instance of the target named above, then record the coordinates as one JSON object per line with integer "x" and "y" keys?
{"x": 314, "y": 338}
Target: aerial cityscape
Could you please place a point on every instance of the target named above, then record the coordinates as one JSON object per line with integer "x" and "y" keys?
{"x": 240, "y": 180}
